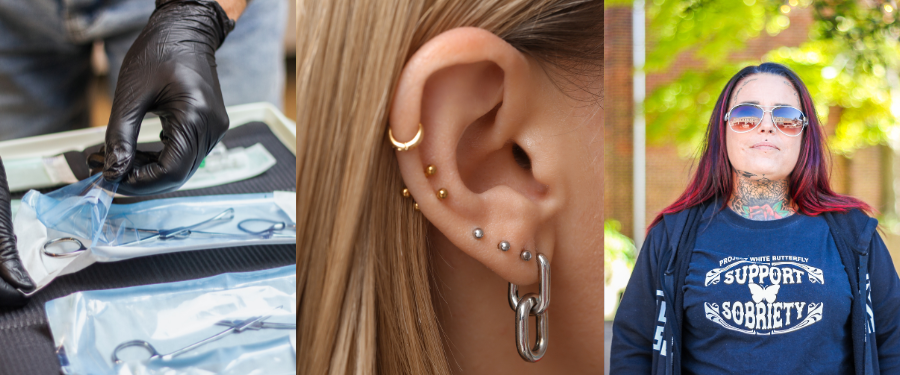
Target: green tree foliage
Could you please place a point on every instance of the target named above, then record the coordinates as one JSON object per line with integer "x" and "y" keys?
{"x": 617, "y": 247}
{"x": 619, "y": 256}
{"x": 850, "y": 63}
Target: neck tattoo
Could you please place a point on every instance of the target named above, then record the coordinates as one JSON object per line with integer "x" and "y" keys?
{"x": 759, "y": 198}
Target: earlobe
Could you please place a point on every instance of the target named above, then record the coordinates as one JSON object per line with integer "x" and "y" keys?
{"x": 468, "y": 174}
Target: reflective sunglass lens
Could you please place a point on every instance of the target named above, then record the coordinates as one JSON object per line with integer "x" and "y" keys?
{"x": 788, "y": 120}
{"x": 744, "y": 118}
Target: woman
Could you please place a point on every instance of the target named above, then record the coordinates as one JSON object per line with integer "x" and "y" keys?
{"x": 445, "y": 148}
{"x": 759, "y": 267}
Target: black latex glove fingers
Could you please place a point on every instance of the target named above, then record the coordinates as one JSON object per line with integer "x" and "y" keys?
{"x": 12, "y": 273}
{"x": 170, "y": 70}
{"x": 10, "y": 297}
{"x": 141, "y": 158}
{"x": 183, "y": 150}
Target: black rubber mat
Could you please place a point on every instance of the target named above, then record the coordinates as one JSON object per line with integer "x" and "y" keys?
{"x": 26, "y": 344}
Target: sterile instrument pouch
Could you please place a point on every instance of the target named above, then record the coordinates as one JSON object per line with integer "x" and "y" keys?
{"x": 75, "y": 212}
{"x": 194, "y": 223}
{"x": 222, "y": 166}
{"x": 71, "y": 228}
{"x": 92, "y": 328}
{"x": 78, "y": 209}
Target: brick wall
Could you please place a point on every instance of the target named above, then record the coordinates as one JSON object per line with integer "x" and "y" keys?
{"x": 618, "y": 104}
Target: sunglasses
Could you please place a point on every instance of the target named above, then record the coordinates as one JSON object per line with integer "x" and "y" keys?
{"x": 788, "y": 120}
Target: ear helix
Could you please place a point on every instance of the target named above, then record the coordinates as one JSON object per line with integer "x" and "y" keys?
{"x": 442, "y": 193}
{"x": 406, "y": 146}
{"x": 405, "y": 194}
{"x": 430, "y": 170}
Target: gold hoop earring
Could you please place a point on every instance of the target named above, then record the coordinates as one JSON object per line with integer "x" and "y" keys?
{"x": 400, "y": 146}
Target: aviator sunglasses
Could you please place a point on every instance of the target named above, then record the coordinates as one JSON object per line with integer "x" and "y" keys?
{"x": 745, "y": 117}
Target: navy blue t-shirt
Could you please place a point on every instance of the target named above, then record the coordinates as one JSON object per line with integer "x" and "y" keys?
{"x": 766, "y": 297}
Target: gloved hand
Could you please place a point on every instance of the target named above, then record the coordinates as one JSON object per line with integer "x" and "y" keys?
{"x": 170, "y": 71}
{"x": 12, "y": 273}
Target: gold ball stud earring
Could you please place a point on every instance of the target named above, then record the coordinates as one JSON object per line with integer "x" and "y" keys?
{"x": 401, "y": 146}
{"x": 442, "y": 193}
{"x": 405, "y": 193}
{"x": 430, "y": 170}
{"x": 416, "y": 206}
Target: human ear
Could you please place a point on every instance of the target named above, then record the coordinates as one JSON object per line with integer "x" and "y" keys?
{"x": 472, "y": 93}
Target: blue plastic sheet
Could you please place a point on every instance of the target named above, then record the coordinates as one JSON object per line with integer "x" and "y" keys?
{"x": 79, "y": 209}
{"x": 88, "y": 326}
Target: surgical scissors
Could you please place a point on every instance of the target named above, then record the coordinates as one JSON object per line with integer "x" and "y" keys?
{"x": 236, "y": 326}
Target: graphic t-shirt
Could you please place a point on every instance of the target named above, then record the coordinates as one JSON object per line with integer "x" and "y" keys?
{"x": 765, "y": 297}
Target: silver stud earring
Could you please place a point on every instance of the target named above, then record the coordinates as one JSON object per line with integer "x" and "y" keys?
{"x": 478, "y": 233}
{"x": 526, "y": 255}
{"x": 504, "y": 245}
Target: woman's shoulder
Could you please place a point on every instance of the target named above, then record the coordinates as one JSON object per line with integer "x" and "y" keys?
{"x": 700, "y": 211}
{"x": 854, "y": 220}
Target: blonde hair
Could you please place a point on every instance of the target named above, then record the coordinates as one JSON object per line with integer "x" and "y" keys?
{"x": 363, "y": 265}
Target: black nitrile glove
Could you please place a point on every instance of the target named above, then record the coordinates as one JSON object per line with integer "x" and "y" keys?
{"x": 12, "y": 273}
{"x": 170, "y": 71}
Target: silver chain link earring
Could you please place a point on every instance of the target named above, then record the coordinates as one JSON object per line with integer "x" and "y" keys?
{"x": 532, "y": 304}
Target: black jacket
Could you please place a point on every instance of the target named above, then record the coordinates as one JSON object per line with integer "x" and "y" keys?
{"x": 647, "y": 327}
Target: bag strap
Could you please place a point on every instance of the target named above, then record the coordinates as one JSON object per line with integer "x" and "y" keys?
{"x": 863, "y": 293}
{"x": 862, "y": 248}
{"x": 682, "y": 237}
{"x": 852, "y": 239}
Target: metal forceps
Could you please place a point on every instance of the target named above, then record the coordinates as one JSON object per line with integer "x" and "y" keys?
{"x": 236, "y": 326}
{"x": 258, "y": 325}
{"x": 182, "y": 232}
{"x": 246, "y": 226}
{"x": 161, "y": 234}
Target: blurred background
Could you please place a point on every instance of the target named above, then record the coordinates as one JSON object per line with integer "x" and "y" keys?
{"x": 668, "y": 60}
{"x": 101, "y": 100}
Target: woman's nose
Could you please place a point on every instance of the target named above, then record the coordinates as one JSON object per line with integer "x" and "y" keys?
{"x": 767, "y": 125}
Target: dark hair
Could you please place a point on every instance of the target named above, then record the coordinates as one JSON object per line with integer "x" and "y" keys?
{"x": 809, "y": 182}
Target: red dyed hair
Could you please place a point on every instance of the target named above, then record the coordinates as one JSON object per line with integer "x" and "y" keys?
{"x": 809, "y": 182}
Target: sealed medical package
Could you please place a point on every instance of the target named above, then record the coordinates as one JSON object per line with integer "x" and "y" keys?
{"x": 233, "y": 323}
{"x": 222, "y": 166}
{"x": 67, "y": 230}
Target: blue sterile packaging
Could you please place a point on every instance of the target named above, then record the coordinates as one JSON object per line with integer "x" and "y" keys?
{"x": 71, "y": 228}
{"x": 79, "y": 209}
{"x": 193, "y": 223}
{"x": 88, "y": 326}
